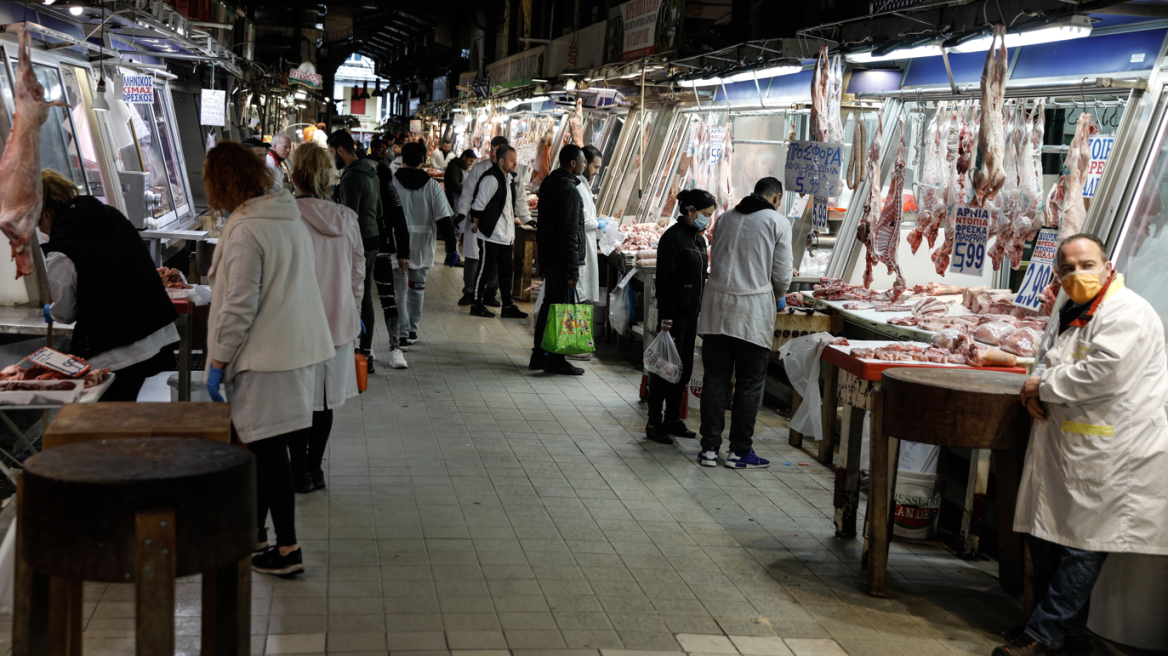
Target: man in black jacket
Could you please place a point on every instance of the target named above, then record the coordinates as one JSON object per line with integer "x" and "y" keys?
{"x": 560, "y": 236}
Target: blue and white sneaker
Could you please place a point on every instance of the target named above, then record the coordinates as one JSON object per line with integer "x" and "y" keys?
{"x": 747, "y": 461}
{"x": 708, "y": 458}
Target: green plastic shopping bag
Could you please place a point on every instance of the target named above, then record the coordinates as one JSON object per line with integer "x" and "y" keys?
{"x": 569, "y": 328}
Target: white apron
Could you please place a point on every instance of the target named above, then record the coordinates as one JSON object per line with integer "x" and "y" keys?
{"x": 1096, "y": 472}
{"x": 589, "y": 286}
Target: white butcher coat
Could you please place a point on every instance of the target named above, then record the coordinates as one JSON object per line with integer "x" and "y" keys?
{"x": 588, "y": 288}
{"x": 750, "y": 267}
{"x": 1096, "y": 471}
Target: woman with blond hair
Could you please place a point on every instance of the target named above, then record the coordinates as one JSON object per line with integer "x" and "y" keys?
{"x": 102, "y": 277}
{"x": 266, "y": 333}
{"x": 340, "y": 273}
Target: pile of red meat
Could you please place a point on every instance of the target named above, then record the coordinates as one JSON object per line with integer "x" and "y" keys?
{"x": 958, "y": 350}
{"x": 983, "y": 300}
{"x": 172, "y": 278}
{"x": 15, "y": 372}
{"x": 26, "y": 386}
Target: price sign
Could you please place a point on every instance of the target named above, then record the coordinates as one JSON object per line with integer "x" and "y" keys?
{"x": 526, "y": 152}
{"x": 57, "y": 361}
{"x": 138, "y": 89}
{"x": 972, "y": 225}
{"x": 212, "y": 107}
{"x": 1039, "y": 271}
{"x": 819, "y": 214}
{"x": 1100, "y": 149}
{"x": 717, "y": 142}
{"x": 798, "y": 207}
{"x": 813, "y": 168}
{"x": 628, "y": 276}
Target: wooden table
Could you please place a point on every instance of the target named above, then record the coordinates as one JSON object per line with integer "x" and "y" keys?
{"x": 852, "y": 382}
{"x": 525, "y": 254}
{"x": 967, "y": 408}
{"x": 104, "y": 421}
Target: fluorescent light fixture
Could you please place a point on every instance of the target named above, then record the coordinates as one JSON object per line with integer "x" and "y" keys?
{"x": 708, "y": 82}
{"x": 1064, "y": 29}
{"x": 927, "y": 50}
{"x": 76, "y": 10}
{"x": 538, "y": 80}
{"x": 765, "y": 73}
{"x": 300, "y": 95}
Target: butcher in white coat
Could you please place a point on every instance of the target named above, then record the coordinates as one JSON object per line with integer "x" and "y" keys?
{"x": 588, "y": 288}
{"x": 750, "y": 267}
{"x": 1095, "y": 479}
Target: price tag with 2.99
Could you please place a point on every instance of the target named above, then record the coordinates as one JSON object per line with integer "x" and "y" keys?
{"x": 972, "y": 225}
{"x": 1039, "y": 270}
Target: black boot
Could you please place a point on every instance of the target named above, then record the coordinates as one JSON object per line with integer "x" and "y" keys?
{"x": 538, "y": 358}
{"x": 677, "y": 428}
{"x": 481, "y": 311}
{"x": 303, "y": 484}
{"x": 318, "y": 480}
{"x": 655, "y": 434}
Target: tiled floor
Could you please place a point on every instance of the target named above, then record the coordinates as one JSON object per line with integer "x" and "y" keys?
{"x": 475, "y": 508}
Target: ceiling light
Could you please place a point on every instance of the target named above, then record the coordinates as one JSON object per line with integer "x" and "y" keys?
{"x": 538, "y": 80}
{"x": 1029, "y": 34}
{"x": 100, "y": 104}
{"x": 300, "y": 95}
{"x": 786, "y": 68}
{"x": 76, "y": 10}
{"x": 927, "y": 50}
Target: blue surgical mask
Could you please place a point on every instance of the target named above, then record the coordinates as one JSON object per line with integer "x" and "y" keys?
{"x": 701, "y": 221}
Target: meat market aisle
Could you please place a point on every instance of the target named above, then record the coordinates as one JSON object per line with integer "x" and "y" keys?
{"x": 475, "y": 507}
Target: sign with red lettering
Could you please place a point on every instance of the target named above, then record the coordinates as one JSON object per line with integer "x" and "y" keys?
{"x": 1100, "y": 149}
{"x": 643, "y": 27}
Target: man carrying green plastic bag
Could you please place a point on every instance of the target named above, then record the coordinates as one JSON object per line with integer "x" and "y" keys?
{"x": 569, "y": 329}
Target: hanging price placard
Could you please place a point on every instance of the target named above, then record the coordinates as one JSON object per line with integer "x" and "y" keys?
{"x": 798, "y": 207}
{"x": 819, "y": 214}
{"x": 717, "y": 143}
{"x": 1039, "y": 271}
{"x": 972, "y": 226}
{"x": 1100, "y": 147}
{"x": 813, "y": 168}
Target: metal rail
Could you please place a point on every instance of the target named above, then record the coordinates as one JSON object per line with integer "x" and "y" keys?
{"x": 1086, "y": 86}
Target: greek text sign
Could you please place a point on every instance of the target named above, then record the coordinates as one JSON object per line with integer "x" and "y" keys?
{"x": 813, "y": 168}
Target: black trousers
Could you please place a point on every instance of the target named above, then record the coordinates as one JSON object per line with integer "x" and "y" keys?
{"x": 383, "y": 267}
{"x": 724, "y": 357}
{"x": 128, "y": 382}
{"x": 306, "y": 448}
{"x": 555, "y": 290}
{"x": 367, "y": 315}
{"x": 663, "y": 392}
{"x": 274, "y": 490}
{"x": 495, "y": 263}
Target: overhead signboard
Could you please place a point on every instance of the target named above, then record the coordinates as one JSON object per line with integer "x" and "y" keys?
{"x": 643, "y": 27}
{"x": 306, "y": 75}
{"x": 518, "y": 69}
{"x": 138, "y": 89}
{"x": 213, "y": 107}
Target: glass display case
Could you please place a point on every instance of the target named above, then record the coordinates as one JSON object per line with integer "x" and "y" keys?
{"x": 59, "y": 147}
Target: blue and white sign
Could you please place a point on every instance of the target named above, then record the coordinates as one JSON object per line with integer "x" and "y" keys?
{"x": 819, "y": 214}
{"x": 972, "y": 226}
{"x": 138, "y": 89}
{"x": 813, "y": 168}
{"x": 717, "y": 143}
{"x": 1100, "y": 149}
{"x": 798, "y": 207}
{"x": 1039, "y": 271}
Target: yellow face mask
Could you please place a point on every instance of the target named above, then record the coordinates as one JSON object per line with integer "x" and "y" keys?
{"x": 1083, "y": 286}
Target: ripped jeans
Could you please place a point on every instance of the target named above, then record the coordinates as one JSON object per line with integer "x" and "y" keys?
{"x": 411, "y": 293}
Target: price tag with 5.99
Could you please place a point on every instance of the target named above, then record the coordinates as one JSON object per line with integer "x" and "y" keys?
{"x": 819, "y": 214}
{"x": 1039, "y": 271}
{"x": 972, "y": 226}
{"x": 57, "y": 361}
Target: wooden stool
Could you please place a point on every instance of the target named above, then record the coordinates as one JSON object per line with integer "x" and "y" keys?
{"x": 142, "y": 510}
{"x": 110, "y": 421}
{"x": 951, "y": 408}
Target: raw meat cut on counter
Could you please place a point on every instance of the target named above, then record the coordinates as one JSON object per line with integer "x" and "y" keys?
{"x": 859, "y": 305}
{"x": 865, "y": 231}
{"x": 1074, "y": 208}
{"x": 991, "y": 141}
{"x": 993, "y": 332}
{"x": 20, "y": 168}
{"x": 903, "y": 321}
{"x": 930, "y": 306}
{"x": 936, "y": 289}
{"x": 15, "y": 372}
{"x": 172, "y": 278}
{"x": 31, "y": 386}
{"x": 886, "y": 232}
{"x": 961, "y": 352}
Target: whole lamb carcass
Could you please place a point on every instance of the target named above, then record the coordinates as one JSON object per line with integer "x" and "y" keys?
{"x": 991, "y": 140}
{"x": 886, "y": 231}
{"x": 1074, "y": 208}
{"x": 865, "y": 231}
{"x": 20, "y": 168}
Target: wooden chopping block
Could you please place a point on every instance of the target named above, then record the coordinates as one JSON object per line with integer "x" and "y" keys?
{"x": 790, "y": 326}
{"x": 955, "y": 407}
{"x": 88, "y": 422}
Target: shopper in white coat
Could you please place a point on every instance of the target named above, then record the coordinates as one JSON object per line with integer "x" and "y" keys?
{"x": 266, "y": 332}
{"x": 750, "y": 268}
{"x": 340, "y": 273}
{"x": 1096, "y": 474}
{"x": 588, "y": 289}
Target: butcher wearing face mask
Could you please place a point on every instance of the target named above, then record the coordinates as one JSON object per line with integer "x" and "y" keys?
{"x": 1094, "y": 480}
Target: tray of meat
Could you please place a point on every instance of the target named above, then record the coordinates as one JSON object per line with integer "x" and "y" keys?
{"x": 40, "y": 392}
{"x": 173, "y": 278}
{"x": 867, "y": 359}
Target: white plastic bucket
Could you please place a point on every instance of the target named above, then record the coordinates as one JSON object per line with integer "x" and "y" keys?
{"x": 1130, "y": 600}
{"x": 917, "y": 505}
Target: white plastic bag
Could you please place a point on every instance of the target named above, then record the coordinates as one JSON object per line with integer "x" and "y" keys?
{"x": 696, "y": 381}
{"x": 535, "y": 309}
{"x": 801, "y": 360}
{"x": 618, "y": 310}
{"x": 662, "y": 358}
{"x": 611, "y": 237}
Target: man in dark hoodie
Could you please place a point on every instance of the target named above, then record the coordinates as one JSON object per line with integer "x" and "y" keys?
{"x": 427, "y": 214}
{"x": 395, "y": 245}
{"x": 359, "y": 190}
{"x": 560, "y": 237}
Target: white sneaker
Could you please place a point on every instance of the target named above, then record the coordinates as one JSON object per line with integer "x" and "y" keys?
{"x": 397, "y": 359}
{"x": 707, "y": 458}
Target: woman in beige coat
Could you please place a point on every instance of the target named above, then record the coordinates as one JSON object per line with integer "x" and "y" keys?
{"x": 340, "y": 272}
{"x": 266, "y": 333}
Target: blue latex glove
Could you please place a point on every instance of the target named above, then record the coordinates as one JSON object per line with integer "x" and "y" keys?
{"x": 601, "y": 224}
{"x": 451, "y": 258}
{"x": 214, "y": 379}
{"x": 362, "y": 327}
{"x": 781, "y": 305}
{"x": 48, "y": 314}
